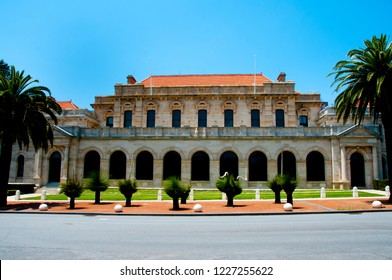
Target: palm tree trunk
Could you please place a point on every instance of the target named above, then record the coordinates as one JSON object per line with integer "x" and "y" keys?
{"x": 290, "y": 198}
{"x": 230, "y": 201}
{"x": 5, "y": 165}
{"x": 97, "y": 197}
{"x": 128, "y": 200}
{"x": 385, "y": 118}
{"x": 277, "y": 197}
{"x": 176, "y": 206}
{"x": 72, "y": 203}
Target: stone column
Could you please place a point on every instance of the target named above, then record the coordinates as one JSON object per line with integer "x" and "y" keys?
{"x": 37, "y": 167}
{"x": 343, "y": 162}
{"x": 214, "y": 172}
{"x": 243, "y": 172}
{"x": 375, "y": 162}
{"x": 158, "y": 173}
{"x": 186, "y": 172}
{"x": 65, "y": 165}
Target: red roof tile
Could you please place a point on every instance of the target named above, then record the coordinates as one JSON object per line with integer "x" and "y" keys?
{"x": 67, "y": 105}
{"x": 205, "y": 80}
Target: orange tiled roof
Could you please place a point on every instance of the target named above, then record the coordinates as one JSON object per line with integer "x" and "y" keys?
{"x": 205, "y": 80}
{"x": 67, "y": 105}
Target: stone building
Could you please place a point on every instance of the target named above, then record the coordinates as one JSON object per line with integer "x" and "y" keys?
{"x": 198, "y": 127}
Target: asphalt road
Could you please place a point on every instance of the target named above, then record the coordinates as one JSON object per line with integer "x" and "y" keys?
{"x": 366, "y": 236}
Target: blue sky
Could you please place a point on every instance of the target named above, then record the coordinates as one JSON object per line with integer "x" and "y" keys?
{"x": 80, "y": 49}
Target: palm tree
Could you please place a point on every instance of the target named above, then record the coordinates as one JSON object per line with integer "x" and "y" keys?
{"x": 72, "y": 189}
{"x": 97, "y": 184}
{"x": 276, "y": 188}
{"x": 366, "y": 83}
{"x": 4, "y": 69}
{"x": 23, "y": 118}
{"x": 127, "y": 187}
{"x": 230, "y": 186}
{"x": 288, "y": 184}
{"x": 175, "y": 189}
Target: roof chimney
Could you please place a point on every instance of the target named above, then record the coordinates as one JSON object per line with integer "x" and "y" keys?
{"x": 282, "y": 77}
{"x": 131, "y": 80}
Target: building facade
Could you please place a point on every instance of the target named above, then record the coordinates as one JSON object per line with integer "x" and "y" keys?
{"x": 198, "y": 127}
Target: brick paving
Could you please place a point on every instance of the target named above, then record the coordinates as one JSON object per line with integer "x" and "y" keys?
{"x": 208, "y": 207}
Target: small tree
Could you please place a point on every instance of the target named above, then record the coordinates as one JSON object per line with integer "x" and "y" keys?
{"x": 72, "y": 189}
{"x": 289, "y": 185}
{"x": 187, "y": 190}
{"x": 175, "y": 189}
{"x": 127, "y": 187}
{"x": 275, "y": 187}
{"x": 97, "y": 185}
{"x": 230, "y": 186}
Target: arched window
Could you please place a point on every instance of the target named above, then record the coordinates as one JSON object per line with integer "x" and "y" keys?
{"x": 315, "y": 167}
{"x": 20, "y": 166}
{"x": 279, "y": 118}
{"x": 172, "y": 165}
{"x": 357, "y": 168}
{"x": 144, "y": 166}
{"x": 54, "y": 167}
{"x": 200, "y": 170}
{"x": 229, "y": 163}
{"x": 117, "y": 165}
{"x": 257, "y": 167}
{"x": 92, "y": 164}
{"x": 288, "y": 166}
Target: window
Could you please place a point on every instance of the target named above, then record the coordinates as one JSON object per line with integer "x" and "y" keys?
{"x": 200, "y": 167}
{"x": 255, "y": 118}
{"x": 229, "y": 118}
{"x": 20, "y": 170}
{"x": 151, "y": 118}
{"x": 315, "y": 167}
{"x": 117, "y": 165}
{"x": 202, "y": 118}
{"x": 176, "y": 118}
{"x": 279, "y": 118}
{"x": 303, "y": 121}
{"x": 127, "y": 118}
{"x": 109, "y": 121}
{"x": 144, "y": 166}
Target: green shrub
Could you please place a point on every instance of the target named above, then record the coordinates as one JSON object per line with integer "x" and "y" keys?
{"x": 72, "y": 189}
{"x": 127, "y": 187}
{"x": 230, "y": 186}
{"x": 380, "y": 184}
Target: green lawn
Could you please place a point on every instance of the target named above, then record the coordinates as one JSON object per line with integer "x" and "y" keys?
{"x": 112, "y": 194}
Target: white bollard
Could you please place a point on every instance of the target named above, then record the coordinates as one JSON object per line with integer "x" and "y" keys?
{"x": 322, "y": 193}
{"x": 355, "y": 192}
{"x": 191, "y": 195}
{"x": 377, "y": 204}
{"x": 387, "y": 191}
{"x": 197, "y": 208}
{"x": 159, "y": 195}
{"x": 17, "y": 195}
{"x": 257, "y": 194}
{"x": 288, "y": 207}
{"x": 43, "y": 195}
{"x": 43, "y": 207}
{"x": 118, "y": 208}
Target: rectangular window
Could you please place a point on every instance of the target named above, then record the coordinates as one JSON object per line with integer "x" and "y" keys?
{"x": 303, "y": 121}
{"x": 176, "y": 118}
{"x": 229, "y": 118}
{"x": 255, "y": 118}
{"x": 279, "y": 118}
{"x": 202, "y": 118}
{"x": 151, "y": 118}
{"x": 127, "y": 118}
{"x": 109, "y": 121}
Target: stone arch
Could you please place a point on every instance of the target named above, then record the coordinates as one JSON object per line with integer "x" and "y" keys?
{"x": 145, "y": 165}
{"x": 315, "y": 166}
{"x": 200, "y": 166}
{"x": 117, "y": 165}
{"x": 92, "y": 163}
{"x": 55, "y": 160}
{"x": 257, "y": 166}
{"x": 172, "y": 164}
{"x": 228, "y": 162}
